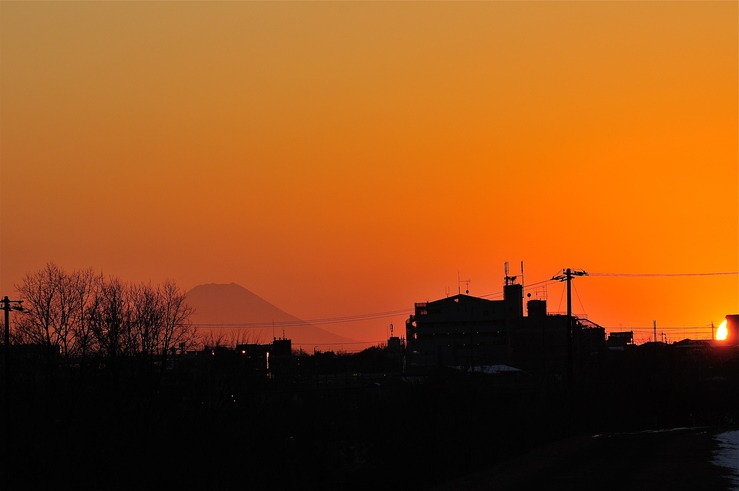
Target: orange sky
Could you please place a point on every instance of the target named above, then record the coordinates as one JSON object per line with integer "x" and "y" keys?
{"x": 341, "y": 158}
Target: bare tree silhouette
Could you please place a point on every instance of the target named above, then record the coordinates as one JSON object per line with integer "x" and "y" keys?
{"x": 56, "y": 307}
{"x": 175, "y": 331}
{"x": 82, "y": 314}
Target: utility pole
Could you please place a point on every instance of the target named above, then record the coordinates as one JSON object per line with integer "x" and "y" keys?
{"x": 7, "y": 306}
{"x": 567, "y": 276}
{"x": 654, "y": 330}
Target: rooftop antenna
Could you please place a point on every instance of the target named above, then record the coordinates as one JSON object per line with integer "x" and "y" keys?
{"x": 509, "y": 280}
{"x": 459, "y": 285}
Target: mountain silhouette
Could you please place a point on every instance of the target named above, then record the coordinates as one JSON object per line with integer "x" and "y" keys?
{"x": 234, "y": 314}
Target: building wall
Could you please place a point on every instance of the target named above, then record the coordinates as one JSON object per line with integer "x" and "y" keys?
{"x": 470, "y": 331}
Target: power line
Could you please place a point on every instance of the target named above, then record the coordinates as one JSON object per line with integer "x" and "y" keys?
{"x": 643, "y": 328}
{"x": 341, "y": 344}
{"x": 527, "y": 287}
{"x": 320, "y": 321}
{"x": 722, "y": 273}
{"x": 343, "y": 319}
{"x": 578, "y": 299}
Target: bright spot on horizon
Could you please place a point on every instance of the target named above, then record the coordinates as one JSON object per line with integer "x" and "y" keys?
{"x": 722, "y": 332}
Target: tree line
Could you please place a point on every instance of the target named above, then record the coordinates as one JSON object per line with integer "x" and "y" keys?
{"x": 83, "y": 315}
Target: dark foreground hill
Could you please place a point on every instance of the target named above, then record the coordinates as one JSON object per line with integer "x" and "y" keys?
{"x": 208, "y": 422}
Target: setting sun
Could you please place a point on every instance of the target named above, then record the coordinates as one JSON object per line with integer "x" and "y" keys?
{"x": 722, "y": 332}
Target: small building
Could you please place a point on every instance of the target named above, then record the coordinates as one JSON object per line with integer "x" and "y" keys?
{"x": 732, "y": 331}
{"x": 620, "y": 340}
{"x": 281, "y": 364}
{"x": 268, "y": 361}
{"x": 468, "y": 331}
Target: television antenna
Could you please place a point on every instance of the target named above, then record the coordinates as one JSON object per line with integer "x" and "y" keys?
{"x": 509, "y": 280}
{"x": 459, "y": 285}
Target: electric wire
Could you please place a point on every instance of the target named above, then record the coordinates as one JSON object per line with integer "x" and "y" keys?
{"x": 345, "y": 319}
{"x": 561, "y": 295}
{"x": 720, "y": 273}
{"x": 526, "y": 287}
{"x": 579, "y": 300}
{"x": 319, "y": 321}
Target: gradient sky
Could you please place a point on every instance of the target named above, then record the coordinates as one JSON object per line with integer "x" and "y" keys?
{"x": 342, "y": 158}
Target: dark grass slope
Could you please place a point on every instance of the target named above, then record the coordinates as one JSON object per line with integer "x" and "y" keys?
{"x": 213, "y": 427}
{"x": 678, "y": 459}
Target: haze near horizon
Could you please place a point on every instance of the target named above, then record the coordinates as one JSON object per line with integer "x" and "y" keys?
{"x": 343, "y": 158}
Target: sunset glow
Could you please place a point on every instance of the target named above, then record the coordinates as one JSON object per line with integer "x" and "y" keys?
{"x": 348, "y": 158}
{"x": 722, "y": 332}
